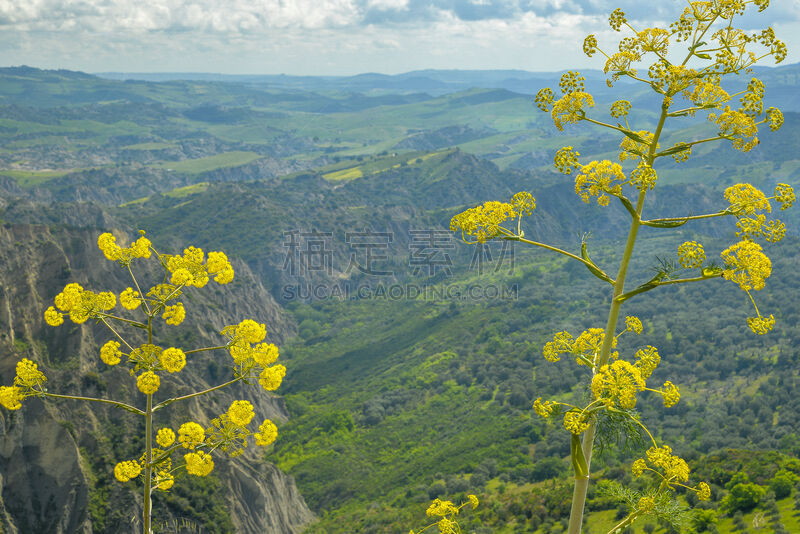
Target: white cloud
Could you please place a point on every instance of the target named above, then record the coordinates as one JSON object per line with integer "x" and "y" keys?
{"x": 325, "y": 36}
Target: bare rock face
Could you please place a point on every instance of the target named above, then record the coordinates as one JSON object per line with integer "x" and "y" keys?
{"x": 57, "y": 458}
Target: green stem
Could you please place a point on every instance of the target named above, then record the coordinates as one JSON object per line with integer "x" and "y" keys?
{"x": 582, "y": 482}
{"x": 589, "y": 264}
{"x": 148, "y": 467}
{"x": 118, "y": 404}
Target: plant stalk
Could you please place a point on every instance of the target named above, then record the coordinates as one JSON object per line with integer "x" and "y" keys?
{"x": 582, "y": 482}
{"x": 148, "y": 468}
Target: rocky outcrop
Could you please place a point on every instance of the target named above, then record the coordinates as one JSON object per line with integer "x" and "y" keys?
{"x": 56, "y": 457}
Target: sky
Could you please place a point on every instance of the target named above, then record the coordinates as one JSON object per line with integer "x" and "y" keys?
{"x": 331, "y": 37}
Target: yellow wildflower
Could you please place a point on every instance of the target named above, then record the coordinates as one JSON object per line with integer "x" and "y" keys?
{"x": 11, "y": 397}
{"x": 165, "y": 437}
{"x": 191, "y": 435}
{"x": 441, "y": 508}
{"x": 173, "y": 360}
{"x": 691, "y": 254}
{"x": 599, "y": 178}
{"x": 267, "y": 433}
{"x": 671, "y": 394}
{"x": 543, "y": 409}
{"x": 110, "y": 353}
{"x": 618, "y": 383}
{"x": 575, "y": 422}
{"x": 28, "y": 374}
{"x": 198, "y": 463}
{"x": 744, "y": 198}
{"x": 570, "y": 108}
{"x": 747, "y": 265}
{"x": 566, "y": 160}
{"x": 647, "y": 359}
{"x": 148, "y": 382}
{"x": 761, "y": 325}
{"x": 174, "y": 314}
{"x": 125, "y": 471}
{"x": 130, "y": 299}
{"x": 265, "y": 354}
{"x": 639, "y": 465}
{"x": 633, "y": 324}
{"x": 703, "y": 491}
{"x": 271, "y": 377}
{"x": 241, "y": 413}
{"x": 784, "y": 194}
{"x": 53, "y": 317}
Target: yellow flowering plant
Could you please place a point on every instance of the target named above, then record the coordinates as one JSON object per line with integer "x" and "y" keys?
{"x": 252, "y": 360}
{"x": 685, "y": 65}
{"x": 445, "y": 515}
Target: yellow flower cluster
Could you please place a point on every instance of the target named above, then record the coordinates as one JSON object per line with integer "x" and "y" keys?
{"x": 672, "y": 468}
{"x": 576, "y": 422}
{"x": 774, "y": 118}
{"x": 620, "y": 108}
{"x": 28, "y": 381}
{"x": 646, "y": 504}
{"x": 174, "y": 314}
{"x": 441, "y": 508}
{"x": 708, "y": 94}
{"x": 125, "y": 471}
{"x": 81, "y": 304}
{"x": 566, "y": 160}
{"x": 198, "y": 463}
{"x": 617, "y": 19}
{"x": 620, "y": 63}
{"x": 691, "y": 254}
{"x": 751, "y": 103}
{"x": 653, "y": 40}
{"x": 241, "y": 413}
{"x": 28, "y": 374}
{"x": 267, "y": 433}
{"x": 599, "y": 179}
{"x": 11, "y": 397}
{"x": 544, "y": 99}
{"x": 572, "y": 82}
{"x": 738, "y": 127}
{"x": 271, "y": 377}
{"x": 752, "y": 227}
{"x": 110, "y": 353}
{"x": 569, "y": 109}
{"x": 746, "y": 199}
{"x": 784, "y": 194}
{"x": 173, "y": 360}
{"x": 544, "y": 409}
{"x": 190, "y": 269}
{"x": 130, "y": 299}
{"x": 647, "y": 359}
{"x": 761, "y": 325}
{"x": 165, "y": 437}
{"x": 746, "y": 265}
{"x": 562, "y": 343}
{"x": 484, "y": 222}
{"x": 643, "y": 177}
{"x": 633, "y": 324}
{"x": 148, "y": 382}
{"x": 590, "y": 45}
{"x": 191, "y": 435}
{"x": 618, "y": 384}
{"x": 671, "y": 394}
{"x": 124, "y": 255}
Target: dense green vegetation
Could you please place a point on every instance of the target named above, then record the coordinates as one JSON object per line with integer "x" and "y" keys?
{"x": 395, "y": 400}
